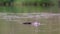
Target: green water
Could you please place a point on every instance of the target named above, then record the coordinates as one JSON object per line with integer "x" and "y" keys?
{"x": 29, "y": 9}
